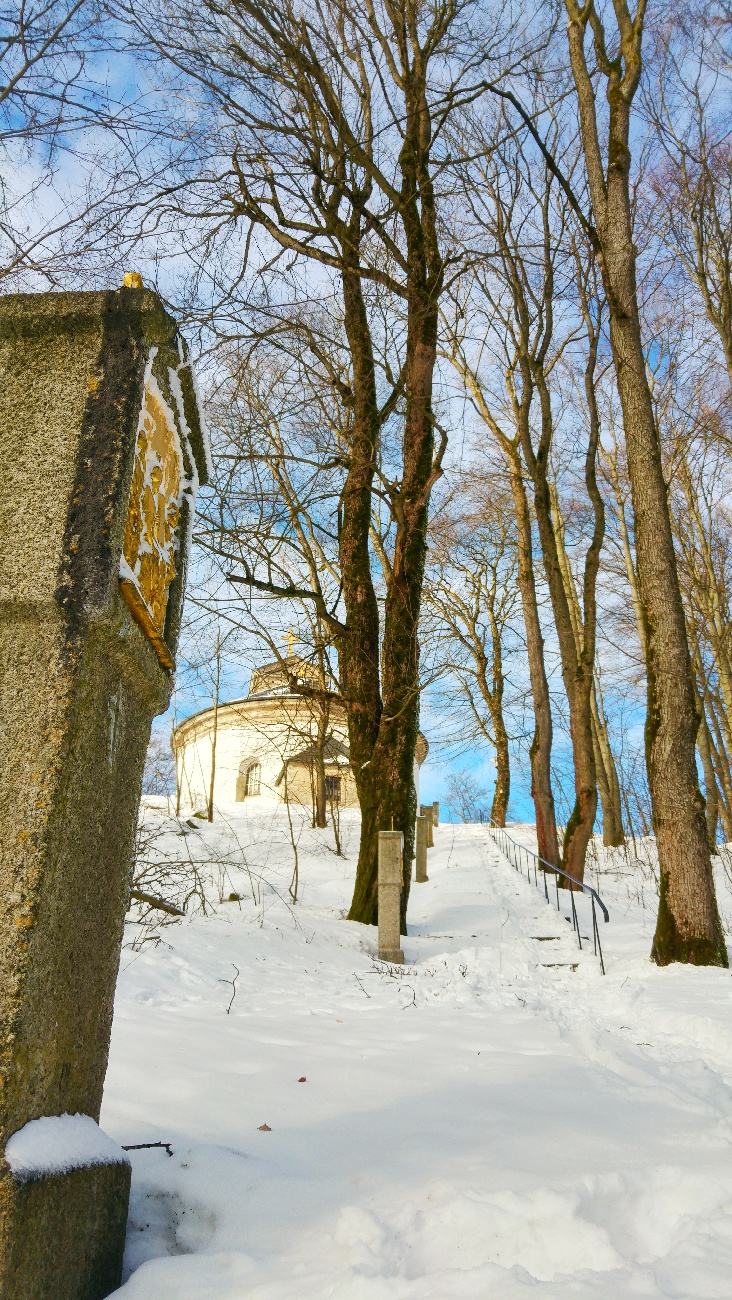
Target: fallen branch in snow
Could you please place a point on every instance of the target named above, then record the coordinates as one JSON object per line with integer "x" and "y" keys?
{"x": 141, "y": 897}
{"x": 145, "y": 1146}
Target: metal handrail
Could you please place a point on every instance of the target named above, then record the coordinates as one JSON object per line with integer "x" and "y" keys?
{"x": 557, "y": 872}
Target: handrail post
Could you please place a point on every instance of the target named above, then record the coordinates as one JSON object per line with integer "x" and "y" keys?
{"x": 574, "y": 917}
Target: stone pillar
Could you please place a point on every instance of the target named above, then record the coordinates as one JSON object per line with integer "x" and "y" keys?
{"x": 436, "y": 813}
{"x": 391, "y": 845}
{"x": 426, "y": 812}
{"x": 102, "y": 452}
{"x": 421, "y": 850}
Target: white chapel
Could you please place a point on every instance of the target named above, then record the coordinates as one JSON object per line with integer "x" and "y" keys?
{"x": 263, "y": 747}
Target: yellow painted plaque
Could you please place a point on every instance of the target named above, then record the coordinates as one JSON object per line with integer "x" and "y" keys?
{"x": 147, "y": 567}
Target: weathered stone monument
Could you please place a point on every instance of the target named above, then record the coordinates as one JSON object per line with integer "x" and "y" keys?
{"x": 391, "y": 847}
{"x": 102, "y": 453}
{"x": 436, "y": 813}
{"x": 420, "y": 857}
{"x": 426, "y": 812}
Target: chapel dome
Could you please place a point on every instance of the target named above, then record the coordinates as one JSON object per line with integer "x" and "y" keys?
{"x": 265, "y": 745}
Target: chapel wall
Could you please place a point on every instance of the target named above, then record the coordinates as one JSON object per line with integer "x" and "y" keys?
{"x": 300, "y": 784}
{"x": 267, "y": 730}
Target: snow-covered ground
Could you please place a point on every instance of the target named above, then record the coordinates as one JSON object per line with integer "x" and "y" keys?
{"x": 495, "y": 1119}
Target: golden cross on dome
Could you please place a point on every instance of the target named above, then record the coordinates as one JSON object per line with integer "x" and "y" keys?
{"x": 291, "y": 640}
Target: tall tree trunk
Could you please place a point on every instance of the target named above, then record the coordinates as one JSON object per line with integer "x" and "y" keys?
{"x": 708, "y": 592}
{"x": 390, "y": 779}
{"x": 603, "y": 784}
{"x": 321, "y": 800}
{"x": 540, "y": 753}
{"x": 493, "y": 697}
{"x": 612, "y": 809}
{"x": 710, "y": 780}
{"x": 214, "y": 733}
{"x": 358, "y": 647}
{"x": 541, "y": 745}
{"x": 502, "y": 791}
{"x": 724, "y": 786}
{"x": 606, "y": 772}
{"x": 577, "y": 656}
{"x": 715, "y": 739}
{"x": 688, "y": 927}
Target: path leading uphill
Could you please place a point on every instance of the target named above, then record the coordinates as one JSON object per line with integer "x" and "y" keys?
{"x": 494, "y": 1120}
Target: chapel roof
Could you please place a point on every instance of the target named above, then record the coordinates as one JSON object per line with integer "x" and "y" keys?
{"x": 334, "y": 751}
{"x": 275, "y": 678}
{"x": 273, "y": 681}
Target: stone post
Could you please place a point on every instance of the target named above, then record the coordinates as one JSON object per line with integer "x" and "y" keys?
{"x": 426, "y": 812}
{"x": 391, "y": 845}
{"x": 436, "y": 813}
{"x": 421, "y": 850}
{"x": 102, "y": 452}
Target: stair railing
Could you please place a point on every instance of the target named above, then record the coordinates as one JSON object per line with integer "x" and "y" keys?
{"x": 512, "y": 850}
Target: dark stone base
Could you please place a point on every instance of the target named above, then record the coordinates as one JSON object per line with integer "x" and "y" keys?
{"x": 62, "y": 1236}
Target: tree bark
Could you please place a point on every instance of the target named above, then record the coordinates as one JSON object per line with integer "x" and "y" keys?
{"x": 688, "y": 927}
{"x": 321, "y": 800}
{"x": 715, "y": 739}
{"x": 541, "y": 745}
{"x": 577, "y": 660}
{"x": 606, "y": 772}
{"x": 724, "y": 785}
{"x": 710, "y": 780}
{"x": 612, "y": 810}
{"x": 502, "y": 791}
{"x": 389, "y": 784}
{"x": 494, "y": 697}
{"x": 358, "y": 647}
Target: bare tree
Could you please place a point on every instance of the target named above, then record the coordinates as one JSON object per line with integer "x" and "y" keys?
{"x": 68, "y": 143}
{"x": 535, "y": 262}
{"x": 470, "y": 589}
{"x": 605, "y": 767}
{"x": 689, "y": 202}
{"x": 329, "y": 152}
{"x": 466, "y": 795}
{"x": 688, "y": 926}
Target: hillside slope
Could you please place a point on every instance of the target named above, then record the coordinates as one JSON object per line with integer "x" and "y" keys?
{"x": 495, "y": 1119}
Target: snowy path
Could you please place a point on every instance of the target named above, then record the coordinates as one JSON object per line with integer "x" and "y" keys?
{"x": 496, "y": 1120}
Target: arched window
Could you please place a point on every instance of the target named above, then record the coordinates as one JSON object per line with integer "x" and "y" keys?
{"x": 249, "y": 779}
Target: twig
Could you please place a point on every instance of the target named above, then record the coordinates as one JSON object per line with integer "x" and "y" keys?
{"x": 159, "y": 903}
{"x": 145, "y": 1146}
{"x": 233, "y": 987}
